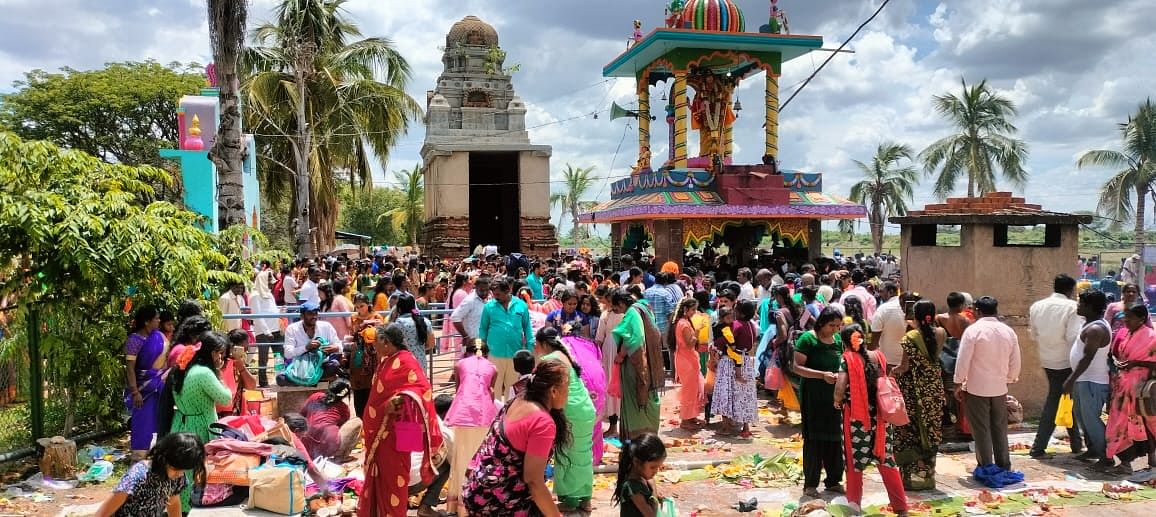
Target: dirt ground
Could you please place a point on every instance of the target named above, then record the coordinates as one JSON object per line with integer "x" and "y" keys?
{"x": 704, "y": 496}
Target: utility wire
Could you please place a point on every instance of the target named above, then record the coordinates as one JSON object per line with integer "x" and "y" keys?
{"x": 835, "y": 53}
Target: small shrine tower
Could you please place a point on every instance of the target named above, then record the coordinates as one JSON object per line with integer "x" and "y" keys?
{"x": 485, "y": 182}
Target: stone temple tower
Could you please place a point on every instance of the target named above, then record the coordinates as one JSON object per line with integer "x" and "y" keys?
{"x": 486, "y": 184}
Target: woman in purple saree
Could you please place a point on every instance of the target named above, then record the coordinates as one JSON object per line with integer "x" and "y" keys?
{"x": 145, "y": 356}
{"x": 588, "y": 355}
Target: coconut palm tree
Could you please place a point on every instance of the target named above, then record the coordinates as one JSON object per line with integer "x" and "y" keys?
{"x": 227, "y": 35}
{"x": 331, "y": 100}
{"x": 577, "y": 183}
{"x": 985, "y": 140}
{"x": 887, "y": 187}
{"x": 1135, "y": 166}
{"x": 407, "y": 217}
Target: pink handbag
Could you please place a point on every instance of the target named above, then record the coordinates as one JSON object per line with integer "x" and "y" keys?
{"x": 407, "y": 431}
{"x": 889, "y": 400}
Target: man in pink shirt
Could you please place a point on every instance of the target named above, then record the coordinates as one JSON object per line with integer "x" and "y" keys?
{"x": 853, "y": 285}
{"x": 989, "y": 360}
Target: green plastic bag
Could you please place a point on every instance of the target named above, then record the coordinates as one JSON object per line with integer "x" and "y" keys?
{"x": 666, "y": 508}
{"x": 306, "y": 369}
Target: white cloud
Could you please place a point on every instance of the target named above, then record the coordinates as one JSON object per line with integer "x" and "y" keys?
{"x": 1073, "y": 68}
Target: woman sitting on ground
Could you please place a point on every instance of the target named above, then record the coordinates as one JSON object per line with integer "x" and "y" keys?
{"x": 332, "y": 433}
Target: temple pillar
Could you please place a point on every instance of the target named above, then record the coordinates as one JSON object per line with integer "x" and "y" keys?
{"x": 644, "y": 122}
{"x": 814, "y": 239}
{"x": 772, "y": 115}
{"x": 728, "y": 133}
{"x": 615, "y": 245}
{"x": 668, "y": 241}
{"x": 680, "y": 110}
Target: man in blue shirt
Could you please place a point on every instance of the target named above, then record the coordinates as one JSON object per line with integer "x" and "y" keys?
{"x": 534, "y": 281}
{"x": 505, "y": 328}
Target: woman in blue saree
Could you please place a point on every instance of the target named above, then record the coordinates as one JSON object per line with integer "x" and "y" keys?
{"x": 145, "y": 356}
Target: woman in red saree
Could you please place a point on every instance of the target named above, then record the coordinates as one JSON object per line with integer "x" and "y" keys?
{"x": 1130, "y": 434}
{"x": 400, "y": 388}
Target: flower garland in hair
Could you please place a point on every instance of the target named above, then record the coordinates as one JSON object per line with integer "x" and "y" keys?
{"x": 186, "y": 356}
{"x": 856, "y": 341}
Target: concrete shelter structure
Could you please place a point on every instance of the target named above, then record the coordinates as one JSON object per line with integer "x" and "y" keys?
{"x": 992, "y": 259}
{"x": 485, "y": 183}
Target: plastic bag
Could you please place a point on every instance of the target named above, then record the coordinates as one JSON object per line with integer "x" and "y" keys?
{"x": 666, "y": 508}
{"x": 787, "y": 395}
{"x": 1064, "y": 412}
{"x": 306, "y": 369}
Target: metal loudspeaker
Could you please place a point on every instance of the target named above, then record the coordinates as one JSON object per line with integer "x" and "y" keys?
{"x": 617, "y": 112}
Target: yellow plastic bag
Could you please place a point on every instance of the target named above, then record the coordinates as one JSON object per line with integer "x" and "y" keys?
{"x": 787, "y": 395}
{"x": 1064, "y": 413}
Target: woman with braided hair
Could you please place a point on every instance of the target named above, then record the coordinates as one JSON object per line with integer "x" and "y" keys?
{"x": 920, "y": 379}
{"x": 573, "y": 465}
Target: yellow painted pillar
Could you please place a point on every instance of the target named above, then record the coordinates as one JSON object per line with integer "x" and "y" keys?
{"x": 772, "y": 121}
{"x": 643, "y": 122}
{"x": 680, "y": 110}
{"x": 728, "y": 131}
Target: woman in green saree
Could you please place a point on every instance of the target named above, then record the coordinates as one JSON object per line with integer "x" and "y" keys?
{"x": 574, "y": 466}
{"x": 640, "y": 364}
{"x": 920, "y": 379}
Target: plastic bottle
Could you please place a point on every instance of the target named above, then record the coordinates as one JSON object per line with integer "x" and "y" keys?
{"x": 278, "y": 364}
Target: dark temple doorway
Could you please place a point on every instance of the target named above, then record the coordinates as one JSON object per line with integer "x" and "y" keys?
{"x": 495, "y": 205}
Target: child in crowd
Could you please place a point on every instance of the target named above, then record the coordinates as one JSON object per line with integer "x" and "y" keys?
{"x": 735, "y": 396}
{"x": 153, "y": 486}
{"x": 524, "y": 365}
{"x": 640, "y": 460}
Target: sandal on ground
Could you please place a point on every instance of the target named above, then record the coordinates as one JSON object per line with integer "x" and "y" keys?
{"x": 746, "y": 435}
{"x": 812, "y": 492}
{"x": 838, "y": 489}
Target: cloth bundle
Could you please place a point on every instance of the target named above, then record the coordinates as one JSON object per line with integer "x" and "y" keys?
{"x": 992, "y": 476}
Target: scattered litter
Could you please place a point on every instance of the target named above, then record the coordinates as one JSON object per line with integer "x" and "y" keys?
{"x": 99, "y": 472}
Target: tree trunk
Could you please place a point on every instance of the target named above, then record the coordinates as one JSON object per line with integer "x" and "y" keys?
{"x": 876, "y": 219}
{"x": 301, "y": 176}
{"x": 1141, "y": 206}
{"x": 228, "y": 151}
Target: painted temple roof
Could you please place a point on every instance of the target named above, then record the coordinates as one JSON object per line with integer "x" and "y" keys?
{"x": 691, "y": 194}
{"x": 682, "y": 47}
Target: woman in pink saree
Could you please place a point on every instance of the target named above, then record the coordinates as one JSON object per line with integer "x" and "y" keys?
{"x": 1134, "y": 356}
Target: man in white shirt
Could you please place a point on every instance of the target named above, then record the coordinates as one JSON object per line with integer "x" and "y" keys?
{"x": 230, "y": 303}
{"x": 467, "y": 317}
{"x": 309, "y": 292}
{"x": 1055, "y": 325}
{"x": 889, "y": 325}
{"x": 746, "y": 289}
{"x": 989, "y": 360}
{"x": 306, "y": 335}
{"x": 288, "y": 287}
{"x": 1088, "y": 383}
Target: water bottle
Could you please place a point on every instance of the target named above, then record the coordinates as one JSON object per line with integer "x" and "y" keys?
{"x": 278, "y": 364}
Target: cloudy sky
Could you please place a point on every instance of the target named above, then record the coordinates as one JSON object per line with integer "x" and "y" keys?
{"x": 1074, "y": 68}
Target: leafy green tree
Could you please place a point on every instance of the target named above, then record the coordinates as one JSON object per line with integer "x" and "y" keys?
{"x": 227, "y": 35}
{"x": 887, "y": 187}
{"x": 331, "y": 99}
{"x": 362, "y": 213}
{"x": 123, "y": 113}
{"x": 577, "y": 184}
{"x": 407, "y": 218}
{"x": 984, "y": 141}
{"x": 83, "y": 235}
{"x": 1135, "y": 165}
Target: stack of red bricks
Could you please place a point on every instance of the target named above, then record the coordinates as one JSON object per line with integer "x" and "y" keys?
{"x": 991, "y": 203}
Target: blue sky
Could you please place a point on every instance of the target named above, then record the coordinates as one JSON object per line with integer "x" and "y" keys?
{"x": 1075, "y": 69}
